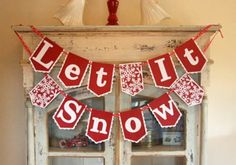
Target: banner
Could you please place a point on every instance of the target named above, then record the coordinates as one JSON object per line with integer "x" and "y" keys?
{"x": 69, "y": 113}
{"x": 44, "y": 92}
{"x": 45, "y": 56}
{"x": 73, "y": 71}
{"x": 101, "y": 78}
{"x": 163, "y": 71}
{"x": 99, "y": 125}
{"x": 188, "y": 90}
{"x": 133, "y": 125}
{"x": 165, "y": 111}
{"x": 131, "y": 78}
{"x": 191, "y": 57}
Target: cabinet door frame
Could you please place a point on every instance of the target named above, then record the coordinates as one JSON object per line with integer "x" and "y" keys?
{"x": 43, "y": 153}
{"x": 192, "y": 132}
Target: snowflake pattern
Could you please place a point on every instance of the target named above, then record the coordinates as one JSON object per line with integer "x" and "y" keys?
{"x": 188, "y": 90}
{"x": 44, "y": 92}
{"x": 131, "y": 78}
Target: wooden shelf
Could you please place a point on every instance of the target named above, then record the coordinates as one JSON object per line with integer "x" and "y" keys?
{"x": 157, "y": 148}
{"x": 180, "y": 28}
{"x": 77, "y": 149}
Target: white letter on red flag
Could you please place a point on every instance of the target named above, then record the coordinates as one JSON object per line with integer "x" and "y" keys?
{"x": 188, "y": 90}
{"x": 69, "y": 113}
{"x": 191, "y": 56}
{"x": 133, "y": 125}
{"x": 45, "y": 56}
{"x": 99, "y": 125}
{"x": 44, "y": 92}
{"x": 163, "y": 71}
{"x": 101, "y": 78}
{"x": 73, "y": 70}
{"x": 165, "y": 111}
{"x": 131, "y": 78}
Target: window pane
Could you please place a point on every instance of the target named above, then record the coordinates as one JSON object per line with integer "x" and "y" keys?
{"x": 151, "y": 160}
{"x": 159, "y": 138}
{"x": 60, "y": 140}
{"x": 75, "y": 161}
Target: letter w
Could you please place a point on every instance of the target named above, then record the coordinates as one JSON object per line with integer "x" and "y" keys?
{"x": 165, "y": 110}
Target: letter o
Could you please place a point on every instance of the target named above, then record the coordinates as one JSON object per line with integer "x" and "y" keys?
{"x": 137, "y": 125}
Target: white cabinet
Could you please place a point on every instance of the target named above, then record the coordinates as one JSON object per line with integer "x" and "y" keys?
{"x": 183, "y": 145}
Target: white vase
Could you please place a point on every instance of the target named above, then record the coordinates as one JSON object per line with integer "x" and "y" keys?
{"x": 72, "y": 13}
{"x": 152, "y": 13}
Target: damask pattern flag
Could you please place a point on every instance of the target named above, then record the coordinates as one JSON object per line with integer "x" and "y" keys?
{"x": 191, "y": 57}
{"x": 133, "y": 125}
{"x": 69, "y": 113}
{"x": 73, "y": 71}
{"x": 163, "y": 71}
{"x": 45, "y": 56}
{"x": 44, "y": 92}
{"x": 131, "y": 78}
{"x": 165, "y": 111}
{"x": 99, "y": 125}
{"x": 101, "y": 78}
{"x": 188, "y": 90}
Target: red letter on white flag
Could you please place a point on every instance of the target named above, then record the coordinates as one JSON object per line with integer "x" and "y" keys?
{"x": 101, "y": 77}
{"x": 99, "y": 125}
{"x": 133, "y": 125}
{"x": 69, "y": 113}
{"x": 73, "y": 70}
{"x": 191, "y": 56}
{"x": 163, "y": 71}
{"x": 165, "y": 111}
{"x": 45, "y": 56}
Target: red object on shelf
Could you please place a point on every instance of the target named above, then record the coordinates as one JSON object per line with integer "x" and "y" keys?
{"x": 77, "y": 141}
{"x": 112, "y": 7}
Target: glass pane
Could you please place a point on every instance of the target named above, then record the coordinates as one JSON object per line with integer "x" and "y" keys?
{"x": 151, "y": 160}
{"x": 159, "y": 138}
{"x": 75, "y": 161}
{"x": 60, "y": 140}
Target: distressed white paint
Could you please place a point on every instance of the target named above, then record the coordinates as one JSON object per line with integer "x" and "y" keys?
{"x": 115, "y": 45}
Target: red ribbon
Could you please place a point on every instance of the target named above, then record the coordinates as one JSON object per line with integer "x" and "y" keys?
{"x": 200, "y": 33}
{"x": 23, "y": 43}
{"x": 210, "y": 41}
{"x": 36, "y": 31}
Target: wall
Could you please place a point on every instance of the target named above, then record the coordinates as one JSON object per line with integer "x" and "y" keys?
{"x": 221, "y": 123}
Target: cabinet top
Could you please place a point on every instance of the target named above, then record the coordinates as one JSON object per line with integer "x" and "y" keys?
{"x": 181, "y": 28}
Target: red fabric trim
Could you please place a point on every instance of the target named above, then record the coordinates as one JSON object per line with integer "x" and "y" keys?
{"x": 200, "y": 33}
{"x": 23, "y": 43}
{"x": 36, "y": 31}
{"x": 210, "y": 41}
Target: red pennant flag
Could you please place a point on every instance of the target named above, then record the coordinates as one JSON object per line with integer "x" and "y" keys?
{"x": 99, "y": 125}
{"x": 73, "y": 70}
{"x": 165, "y": 111}
{"x": 101, "y": 78}
{"x": 163, "y": 71}
{"x": 133, "y": 125}
{"x": 131, "y": 78}
{"x": 45, "y": 56}
{"x": 191, "y": 57}
{"x": 69, "y": 113}
{"x": 44, "y": 92}
{"x": 188, "y": 90}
